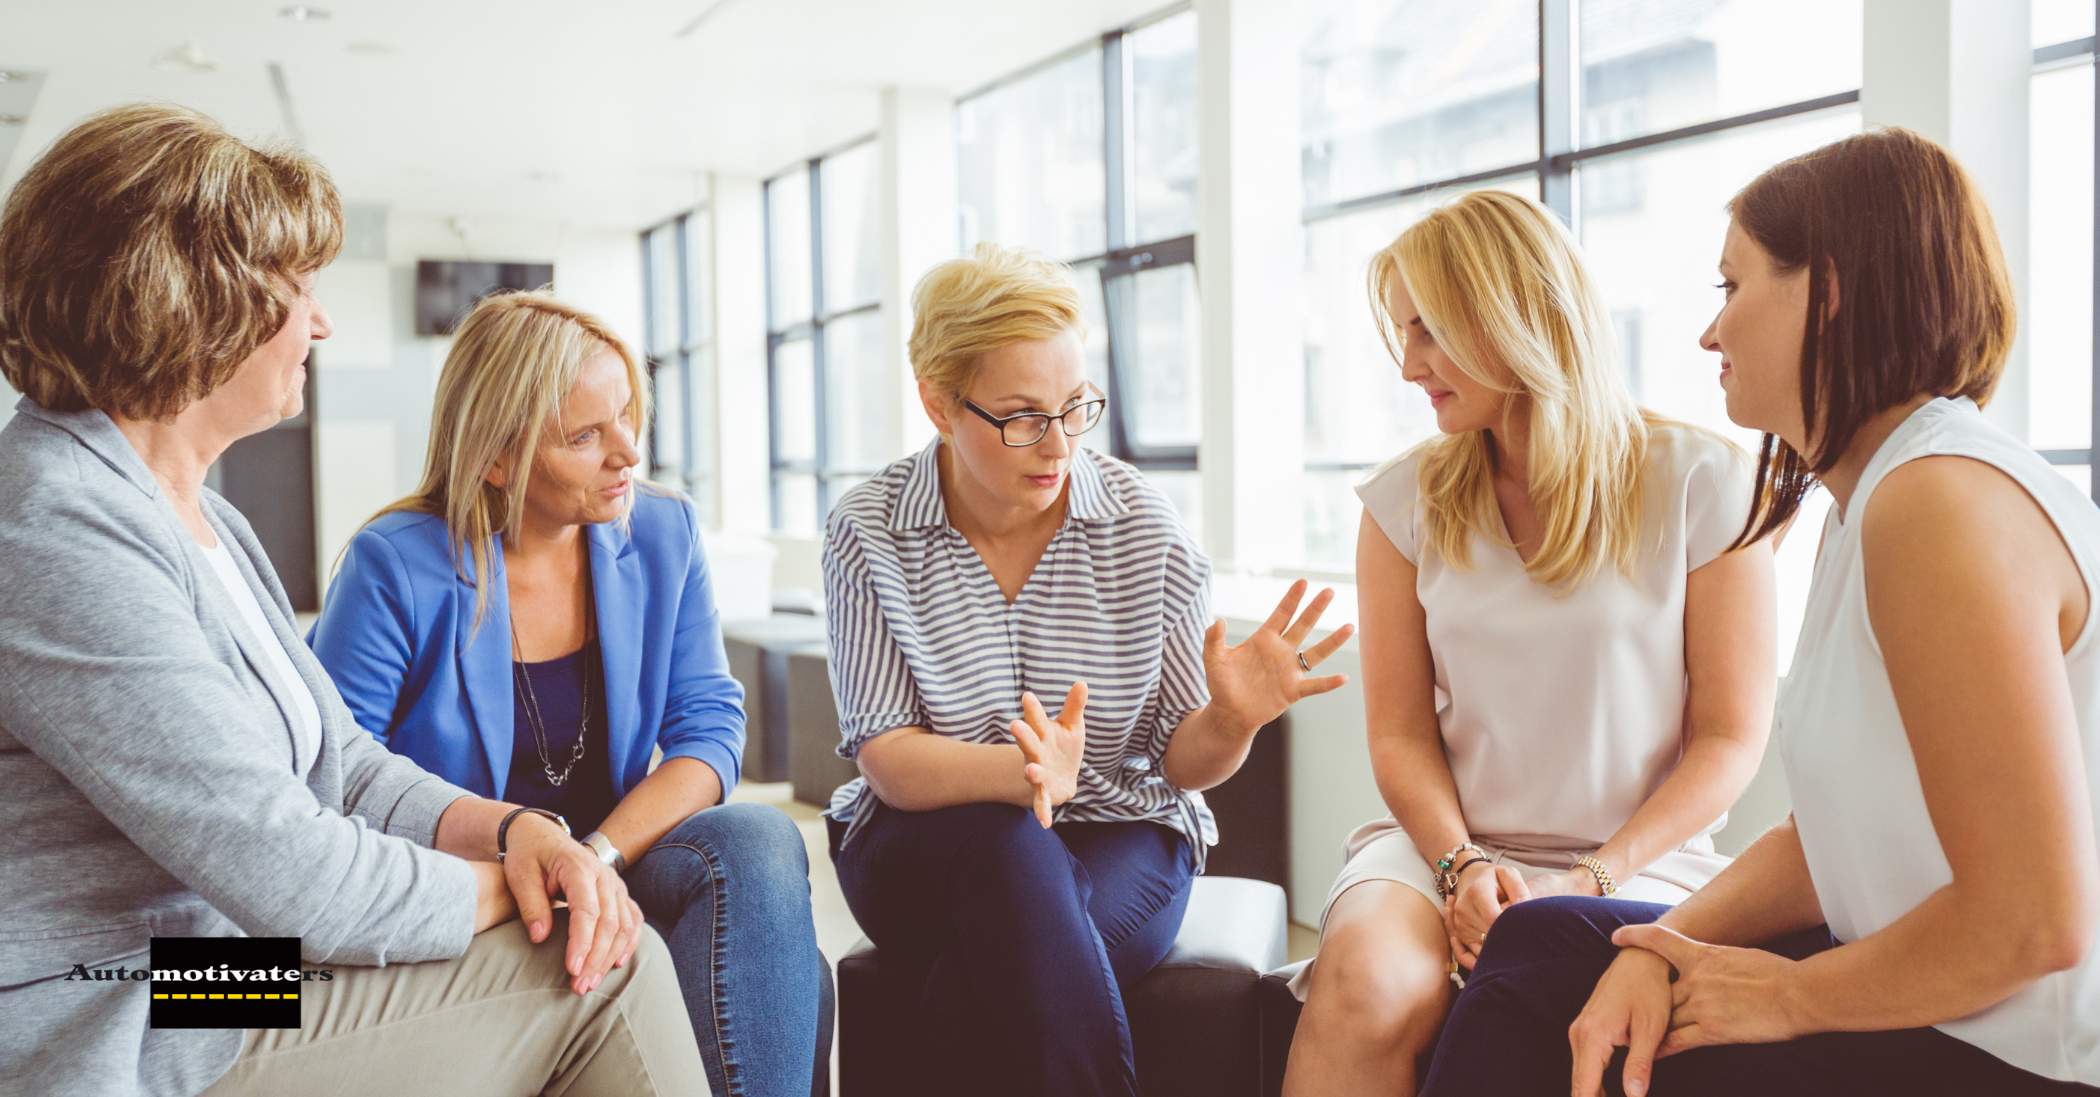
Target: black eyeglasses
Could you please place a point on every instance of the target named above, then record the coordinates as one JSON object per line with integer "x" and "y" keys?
{"x": 1029, "y": 427}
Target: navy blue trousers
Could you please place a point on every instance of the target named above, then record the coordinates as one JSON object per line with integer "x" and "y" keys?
{"x": 1024, "y": 937}
{"x": 1508, "y": 1032}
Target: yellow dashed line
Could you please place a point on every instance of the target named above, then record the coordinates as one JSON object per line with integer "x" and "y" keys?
{"x": 226, "y": 997}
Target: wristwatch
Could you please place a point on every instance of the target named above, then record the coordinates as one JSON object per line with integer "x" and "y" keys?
{"x": 606, "y": 851}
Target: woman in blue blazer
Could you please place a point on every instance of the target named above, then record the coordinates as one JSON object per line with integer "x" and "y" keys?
{"x": 594, "y": 644}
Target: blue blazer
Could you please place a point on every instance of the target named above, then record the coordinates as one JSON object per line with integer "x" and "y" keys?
{"x": 397, "y": 635}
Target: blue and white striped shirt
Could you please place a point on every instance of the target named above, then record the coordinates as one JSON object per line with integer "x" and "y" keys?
{"x": 921, "y": 635}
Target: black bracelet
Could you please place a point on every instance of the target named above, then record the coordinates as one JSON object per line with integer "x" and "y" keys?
{"x": 503, "y": 828}
{"x": 1461, "y": 870}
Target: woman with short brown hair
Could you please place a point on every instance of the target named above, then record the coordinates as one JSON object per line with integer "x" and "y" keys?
{"x": 1923, "y": 921}
{"x": 176, "y": 762}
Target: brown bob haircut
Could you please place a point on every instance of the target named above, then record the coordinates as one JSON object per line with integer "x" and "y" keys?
{"x": 148, "y": 254}
{"x": 1924, "y": 302}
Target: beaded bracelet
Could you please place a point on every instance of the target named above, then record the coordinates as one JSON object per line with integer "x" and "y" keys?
{"x": 1446, "y": 881}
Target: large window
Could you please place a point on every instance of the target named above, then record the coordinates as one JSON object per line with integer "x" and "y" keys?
{"x": 679, "y": 331}
{"x": 1091, "y": 159}
{"x": 823, "y": 333}
{"x": 1634, "y": 120}
{"x": 2061, "y": 351}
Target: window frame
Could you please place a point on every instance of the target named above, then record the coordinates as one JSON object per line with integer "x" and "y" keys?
{"x": 695, "y": 344}
{"x": 1124, "y": 256}
{"x": 2082, "y": 51}
{"x": 1560, "y": 154}
{"x": 819, "y": 466}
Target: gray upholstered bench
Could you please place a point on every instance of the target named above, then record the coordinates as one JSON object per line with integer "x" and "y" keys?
{"x": 758, "y": 651}
{"x": 1195, "y": 1020}
{"x": 814, "y": 765}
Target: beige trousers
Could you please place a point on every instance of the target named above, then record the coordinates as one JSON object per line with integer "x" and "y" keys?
{"x": 499, "y": 1020}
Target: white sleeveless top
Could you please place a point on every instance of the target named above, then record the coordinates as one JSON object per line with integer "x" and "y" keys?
{"x": 1870, "y": 845}
{"x": 1562, "y": 713}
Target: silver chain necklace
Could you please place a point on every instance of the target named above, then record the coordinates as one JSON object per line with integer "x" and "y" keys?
{"x": 539, "y": 726}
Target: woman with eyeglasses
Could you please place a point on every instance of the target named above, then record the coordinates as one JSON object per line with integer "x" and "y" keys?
{"x": 1031, "y": 683}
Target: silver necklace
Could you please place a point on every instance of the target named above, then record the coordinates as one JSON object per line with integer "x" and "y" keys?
{"x": 539, "y": 726}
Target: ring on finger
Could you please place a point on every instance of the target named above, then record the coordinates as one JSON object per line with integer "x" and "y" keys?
{"x": 1302, "y": 664}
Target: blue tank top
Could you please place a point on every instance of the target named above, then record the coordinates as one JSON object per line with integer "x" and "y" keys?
{"x": 557, "y": 691}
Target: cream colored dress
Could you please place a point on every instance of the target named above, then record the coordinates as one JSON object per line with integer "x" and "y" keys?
{"x": 1561, "y": 713}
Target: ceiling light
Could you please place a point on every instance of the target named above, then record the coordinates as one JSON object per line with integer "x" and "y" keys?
{"x": 305, "y": 13}
{"x": 14, "y": 119}
{"x": 189, "y": 57}
{"x": 7, "y": 77}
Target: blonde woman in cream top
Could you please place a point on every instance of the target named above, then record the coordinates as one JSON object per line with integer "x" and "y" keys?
{"x": 1924, "y": 922}
{"x": 1540, "y": 686}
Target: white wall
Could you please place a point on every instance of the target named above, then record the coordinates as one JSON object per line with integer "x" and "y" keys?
{"x": 375, "y": 378}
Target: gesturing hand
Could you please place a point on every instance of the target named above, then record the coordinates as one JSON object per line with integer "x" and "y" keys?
{"x": 1253, "y": 682}
{"x": 1054, "y": 749}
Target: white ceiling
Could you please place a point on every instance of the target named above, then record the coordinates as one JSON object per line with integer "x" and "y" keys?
{"x": 585, "y": 113}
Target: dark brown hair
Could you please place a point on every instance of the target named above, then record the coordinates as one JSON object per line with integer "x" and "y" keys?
{"x": 147, "y": 254}
{"x": 1924, "y": 302}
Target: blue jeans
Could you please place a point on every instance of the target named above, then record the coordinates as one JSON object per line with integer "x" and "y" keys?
{"x": 728, "y": 889}
{"x": 1508, "y": 1033}
{"x": 1024, "y": 937}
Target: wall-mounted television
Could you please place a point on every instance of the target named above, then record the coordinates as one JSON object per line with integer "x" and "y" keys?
{"x": 447, "y": 288}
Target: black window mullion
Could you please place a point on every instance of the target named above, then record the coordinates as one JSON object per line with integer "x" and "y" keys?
{"x": 819, "y": 369}
{"x": 1115, "y": 85}
{"x": 649, "y": 322}
{"x": 1559, "y": 101}
{"x": 1113, "y": 287}
{"x": 685, "y": 373}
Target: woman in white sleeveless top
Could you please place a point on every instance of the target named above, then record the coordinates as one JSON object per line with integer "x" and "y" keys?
{"x": 1927, "y": 913}
{"x": 1568, "y": 675}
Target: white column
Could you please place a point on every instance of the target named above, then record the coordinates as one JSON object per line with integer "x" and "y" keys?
{"x": 1249, "y": 256}
{"x": 1960, "y": 73}
{"x": 743, "y": 415}
{"x": 917, "y": 185}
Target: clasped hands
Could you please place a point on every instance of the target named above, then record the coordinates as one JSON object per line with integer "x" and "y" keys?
{"x": 1251, "y": 683}
{"x": 1486, "y": 890}
{"x": 544, "y": 863}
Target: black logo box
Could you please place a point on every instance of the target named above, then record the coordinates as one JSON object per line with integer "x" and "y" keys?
{"x": 225, "y": 982}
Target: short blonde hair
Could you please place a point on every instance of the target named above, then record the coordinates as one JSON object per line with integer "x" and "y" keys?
{"x": 513, "y": 360}
{"x": 147, "y": 254}
{"x": 995, "y": 298}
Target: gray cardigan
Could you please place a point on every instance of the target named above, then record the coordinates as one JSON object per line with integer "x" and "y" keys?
{"x": 146, "y": 781}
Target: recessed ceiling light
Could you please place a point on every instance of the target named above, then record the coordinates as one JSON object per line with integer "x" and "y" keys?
{"x": 14, "y": 119}
{"x": 305, "y": 13}
{"x": 7, "y": 77}
{"x": 187, "y": 57}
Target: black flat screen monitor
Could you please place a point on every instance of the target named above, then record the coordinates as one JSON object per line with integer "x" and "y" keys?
{"x": 446, "y": 289}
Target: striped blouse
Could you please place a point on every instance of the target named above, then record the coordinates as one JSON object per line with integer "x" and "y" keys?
{"x": 921, "y": 635}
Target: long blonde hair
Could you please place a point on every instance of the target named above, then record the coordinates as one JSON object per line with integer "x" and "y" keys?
{"x": 512, "y": 361}
{"x": 1502, "y": 289}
